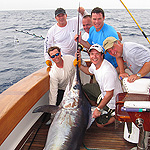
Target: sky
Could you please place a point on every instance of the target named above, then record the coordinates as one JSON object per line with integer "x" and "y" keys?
{"x": 72, "y": 4}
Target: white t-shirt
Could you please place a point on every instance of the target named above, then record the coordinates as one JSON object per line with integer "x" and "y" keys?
{"x": 107, "y": 78}
{"x": 63, "y": 37}
{"x": 85, "y": 36}
{"x": 60, "y": 77}
{"x": 135, "y": 55}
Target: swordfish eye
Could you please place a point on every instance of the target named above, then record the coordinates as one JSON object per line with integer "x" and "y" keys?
{"x": 76, "y": 87}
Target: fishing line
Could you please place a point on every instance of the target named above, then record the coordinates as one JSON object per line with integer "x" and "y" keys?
{"x": 135, "y": 22}
{"x": 32, "y": 34}
{"x": 16, "y": 43}
{"x": 16, "y": 40}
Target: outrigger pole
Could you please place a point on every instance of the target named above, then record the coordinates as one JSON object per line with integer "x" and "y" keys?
{"x": 135, "y": 22}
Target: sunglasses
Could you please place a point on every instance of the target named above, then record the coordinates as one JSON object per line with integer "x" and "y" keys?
{"x": 53, "y": 56}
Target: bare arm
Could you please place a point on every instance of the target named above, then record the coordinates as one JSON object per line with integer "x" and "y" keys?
{"x": 120, "y": 64}
{"x": 81, "y": 41}
{"x": 85, "y": 69}
{"x": 143, "y": 71}
{"x": 105, "y": 100}
{"x": 85, "y": 43}
{"x": 83, "y": 12}
{"x": 121, "y": 68}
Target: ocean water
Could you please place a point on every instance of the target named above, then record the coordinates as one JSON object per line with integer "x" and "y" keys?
{"x": 22, "y": 53}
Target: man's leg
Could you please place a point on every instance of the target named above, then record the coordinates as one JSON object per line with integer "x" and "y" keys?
{"x": 59, "y": 99}
{"x": 92, "y": 91}
{"x": 59, "y": 96}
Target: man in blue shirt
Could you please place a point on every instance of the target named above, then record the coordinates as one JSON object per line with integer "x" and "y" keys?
{"x": 99, "y": 32}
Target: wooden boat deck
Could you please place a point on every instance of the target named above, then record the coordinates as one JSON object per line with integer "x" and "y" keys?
{"x": 95, "y": 138}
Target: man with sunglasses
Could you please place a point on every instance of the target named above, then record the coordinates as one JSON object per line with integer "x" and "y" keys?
{"x": 62, "y": 33}
{"x": 61, "y": 73}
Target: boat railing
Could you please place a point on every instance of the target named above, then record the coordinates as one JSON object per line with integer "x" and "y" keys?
{"x": 16, "y": 101}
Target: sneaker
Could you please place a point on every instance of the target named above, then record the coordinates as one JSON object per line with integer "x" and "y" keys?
{"x": 48, "y": 122}
{"x": 51, "y": 119}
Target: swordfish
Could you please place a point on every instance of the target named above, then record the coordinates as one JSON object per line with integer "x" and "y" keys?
{"x": 71, "y": 120}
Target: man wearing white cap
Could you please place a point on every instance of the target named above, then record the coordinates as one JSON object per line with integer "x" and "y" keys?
{"x": 136, "y": 57}
{"x": 107, "y": 79}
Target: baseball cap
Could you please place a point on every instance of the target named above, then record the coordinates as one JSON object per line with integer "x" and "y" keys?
{"x": 109, "y": 42}
{"x": 59, "y": 11}
{"x": 96, "y": 47}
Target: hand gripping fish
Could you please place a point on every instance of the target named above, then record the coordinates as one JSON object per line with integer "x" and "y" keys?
{"x": 71, "y": 120}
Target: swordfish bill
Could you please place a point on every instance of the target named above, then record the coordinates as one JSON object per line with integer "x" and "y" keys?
{"x": 71, "y": 119}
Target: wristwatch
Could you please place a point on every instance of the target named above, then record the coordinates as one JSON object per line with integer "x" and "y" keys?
{"x": 100, "y": 110}
{"x": 139, "y": 75}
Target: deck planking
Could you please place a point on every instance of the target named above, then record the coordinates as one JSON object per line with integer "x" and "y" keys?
{"x": 95, "y": 138}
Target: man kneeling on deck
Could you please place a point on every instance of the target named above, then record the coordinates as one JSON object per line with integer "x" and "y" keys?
{"x": 62, "y": 72}
{"x": 107, "y": 79}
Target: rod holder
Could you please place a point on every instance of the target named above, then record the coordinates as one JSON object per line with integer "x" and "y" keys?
{"x": 143, "y": 135}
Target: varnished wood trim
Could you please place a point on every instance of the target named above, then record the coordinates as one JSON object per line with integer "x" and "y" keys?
{"x": 17, "y": 100}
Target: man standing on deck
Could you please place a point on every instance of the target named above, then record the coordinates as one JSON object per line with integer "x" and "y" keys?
{"x": 62, "y": 33}
{"x": 87, "y": 24}
{"x": 99, "y": 32}
{"x": 136, "y": 56}
{"x": 107, "y": 78}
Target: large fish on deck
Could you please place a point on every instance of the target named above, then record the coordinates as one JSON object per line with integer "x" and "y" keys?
{"x": 71, "y": 120}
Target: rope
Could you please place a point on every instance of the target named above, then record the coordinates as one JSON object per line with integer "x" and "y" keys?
{"x": 90, "y": 148}
{"x": 135, "y": 22}
{"x": 30, "y": 34}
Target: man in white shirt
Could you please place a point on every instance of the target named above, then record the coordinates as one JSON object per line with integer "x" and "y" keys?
{"x": 107, "y": 78}
{"x": 61, "y": 73}
{"x": 62, "y": 33}
{"x": 87, "y": 24}
{"x": 136, "y": 57}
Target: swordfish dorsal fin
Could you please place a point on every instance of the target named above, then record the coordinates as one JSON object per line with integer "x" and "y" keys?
{"x": 47, "y": 108}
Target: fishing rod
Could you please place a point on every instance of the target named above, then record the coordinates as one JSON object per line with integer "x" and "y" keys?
{"x": 79, "y": 46}
{"x": 78, "y": 31}
{"x": 136, "y": 22}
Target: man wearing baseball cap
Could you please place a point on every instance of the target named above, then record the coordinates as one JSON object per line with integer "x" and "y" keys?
{"x": 60, "y": 11}
{"x": 109, "y": 84}
{"x": 136, "y": 56}
{"x": 62, "y": 33}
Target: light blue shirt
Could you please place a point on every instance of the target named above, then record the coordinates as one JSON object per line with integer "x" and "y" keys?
{"x": 98, "y": 38}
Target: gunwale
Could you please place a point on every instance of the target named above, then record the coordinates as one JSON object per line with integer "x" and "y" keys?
{"x": 17, "y": 98}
